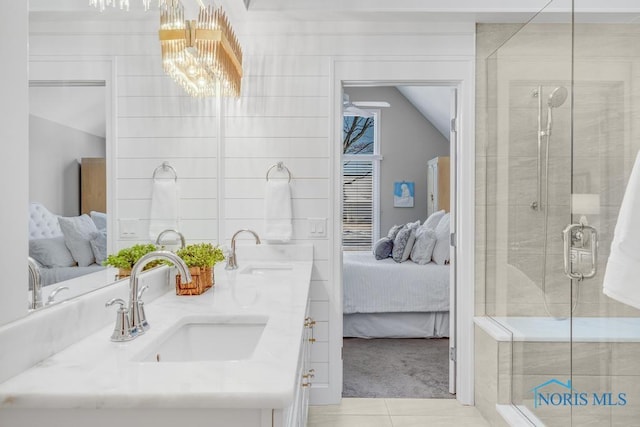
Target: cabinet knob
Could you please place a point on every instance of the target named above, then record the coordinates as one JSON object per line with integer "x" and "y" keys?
{"x": 306, "y": 378}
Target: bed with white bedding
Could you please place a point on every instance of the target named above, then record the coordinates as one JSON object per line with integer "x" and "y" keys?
{"x": 386, "y": 299}
{"x": 48, "y": 248}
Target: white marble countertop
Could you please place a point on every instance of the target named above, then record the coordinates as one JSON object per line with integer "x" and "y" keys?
{"x": 98, "y": 373}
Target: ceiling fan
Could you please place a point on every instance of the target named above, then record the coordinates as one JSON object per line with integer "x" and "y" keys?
{"x": 353, "y": 108}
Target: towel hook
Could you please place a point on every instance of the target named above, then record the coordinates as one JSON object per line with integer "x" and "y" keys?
{"x": 280, "y": 167}
{"x": 165, "y": 167}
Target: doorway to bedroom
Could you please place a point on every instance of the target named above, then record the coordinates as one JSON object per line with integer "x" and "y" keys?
{"x": 397, "y": 196}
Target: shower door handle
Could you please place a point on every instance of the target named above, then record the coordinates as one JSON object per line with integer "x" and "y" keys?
{"x": 575, "y": 236}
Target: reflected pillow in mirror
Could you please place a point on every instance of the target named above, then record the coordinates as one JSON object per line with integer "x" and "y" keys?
{"x": 77, "y": 234}
{"x": 51, "y": 252}
{"x": 99, "y": 219}
{"x": 98, "y": 243}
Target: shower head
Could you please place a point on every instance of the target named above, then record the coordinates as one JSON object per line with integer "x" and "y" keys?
{"x": 557, "y": 97}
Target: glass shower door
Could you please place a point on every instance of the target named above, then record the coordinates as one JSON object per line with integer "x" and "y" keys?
{"x": 563, "y": 132}
{"x": 606, "y": 113}
{"x": 529, "y": 177}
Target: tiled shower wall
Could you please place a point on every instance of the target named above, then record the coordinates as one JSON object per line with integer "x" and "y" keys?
{"x": 599, "y": 162}
{"x": 592, "y": 151}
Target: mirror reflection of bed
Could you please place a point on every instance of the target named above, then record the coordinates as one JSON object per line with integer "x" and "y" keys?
{"x": 67, "y": 186}
{"x": 396, "y": 264}
{"x": 66, "y": 248}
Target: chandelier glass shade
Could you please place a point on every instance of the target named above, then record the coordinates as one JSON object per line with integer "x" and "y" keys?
{"x": 124, "y": 4}
{"x": 200, "y": 53}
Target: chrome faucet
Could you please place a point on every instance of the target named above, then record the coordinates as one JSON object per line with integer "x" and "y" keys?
{"x": 36, "y": 284}
{"x": 232, "y": 264}
{"x": 52, "y": 295}
{"x": 131, "y": 321}
{"x": 169, "y": 231}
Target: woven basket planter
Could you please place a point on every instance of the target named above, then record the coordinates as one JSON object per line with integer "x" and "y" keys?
{"x": 201, "y": 280}
{"x": 123, "y": 273}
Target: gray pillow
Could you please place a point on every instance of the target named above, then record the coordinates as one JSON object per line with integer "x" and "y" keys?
{"x": 382, "y": 248}
{"x": 441, "y": 249}
{"x": 393, "y": 231}
{"x": 423, "y": 246}
{"x": 403, "y": 244}
{"x": 77, "y": 234}
{"x": 99, "y": 219}
{"x": 98, "y": 242}
{"x": 51, "y": 252}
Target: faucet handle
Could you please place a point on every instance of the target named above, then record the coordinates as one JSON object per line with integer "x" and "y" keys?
{"x": 141, "y": 291}
{"x": 144, "y": 323}
{"x": 122, "y": 330}
{"x": 52, "y": 295}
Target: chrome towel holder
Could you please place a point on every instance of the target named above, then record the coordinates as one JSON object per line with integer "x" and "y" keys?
{"x": 165, "y": 167}
{"x": 280, "y": 167}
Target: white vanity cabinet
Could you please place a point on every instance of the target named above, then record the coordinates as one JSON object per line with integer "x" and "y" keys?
{"x": 99, "y": 383}
{"x": 296, "y": 414}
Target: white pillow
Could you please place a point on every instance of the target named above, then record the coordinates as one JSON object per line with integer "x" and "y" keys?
{"x": 77, "y": 232}
{"x": 441, "y": 249}
{"x": 423, "y": 246}
{"x": 99, "y": 219}
{"x": 51, "y": 252}
{"x": 433, "y": 220}
{"x": 98, "y": 242}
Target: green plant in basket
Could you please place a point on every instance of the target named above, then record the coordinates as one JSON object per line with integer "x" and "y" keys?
{"x": 200, "y": 255}
{"x": 126, "y": 258}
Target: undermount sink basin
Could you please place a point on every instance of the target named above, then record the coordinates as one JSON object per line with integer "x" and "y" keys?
{"x": 261, "y": 269}
{"x": 207, "y": 338}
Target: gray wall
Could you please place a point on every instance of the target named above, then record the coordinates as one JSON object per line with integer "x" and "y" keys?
{"x": 407, "y": 142}
{"x": 54, "y": 169}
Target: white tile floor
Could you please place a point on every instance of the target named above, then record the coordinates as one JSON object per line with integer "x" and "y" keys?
{"x": 395, "y": 413}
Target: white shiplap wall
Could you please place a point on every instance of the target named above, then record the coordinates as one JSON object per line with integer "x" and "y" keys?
{"x": 284, "y": 114}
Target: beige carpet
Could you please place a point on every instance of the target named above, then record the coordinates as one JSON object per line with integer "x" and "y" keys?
{"x": 396, "y": 368}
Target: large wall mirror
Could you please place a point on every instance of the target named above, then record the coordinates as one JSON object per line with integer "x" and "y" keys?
{"x": 70, "y": 156}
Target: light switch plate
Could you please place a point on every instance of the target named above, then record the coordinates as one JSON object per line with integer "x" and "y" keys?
{"x": 317, "y": 227}
{"x": 129, "y": 228}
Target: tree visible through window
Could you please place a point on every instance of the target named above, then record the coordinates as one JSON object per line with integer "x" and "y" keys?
{"x": 359, "y": 177}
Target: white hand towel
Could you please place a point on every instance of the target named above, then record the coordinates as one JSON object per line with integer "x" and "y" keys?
{"x": 165, "y": 201}
{"x": 277, "y": 215}
{"x": 622, "y": 278}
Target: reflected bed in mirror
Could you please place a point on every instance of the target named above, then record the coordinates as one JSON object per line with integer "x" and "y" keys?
{"x": 69, "y": 141}
{"x": 65, "y": 248}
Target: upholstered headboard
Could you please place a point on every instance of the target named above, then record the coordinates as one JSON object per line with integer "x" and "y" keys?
{"x": 42, "y": 223}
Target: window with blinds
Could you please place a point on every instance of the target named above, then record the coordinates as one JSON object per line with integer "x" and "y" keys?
{"x": 359, "y": 182}
{"x": 357, "y": 205}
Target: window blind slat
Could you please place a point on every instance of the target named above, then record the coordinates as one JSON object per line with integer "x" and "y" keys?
{"x": 357, "y": 213}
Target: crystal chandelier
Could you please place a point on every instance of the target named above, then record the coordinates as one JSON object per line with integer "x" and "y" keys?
{"x": 124, "y": 4}
{"x": 199, "y": 54}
